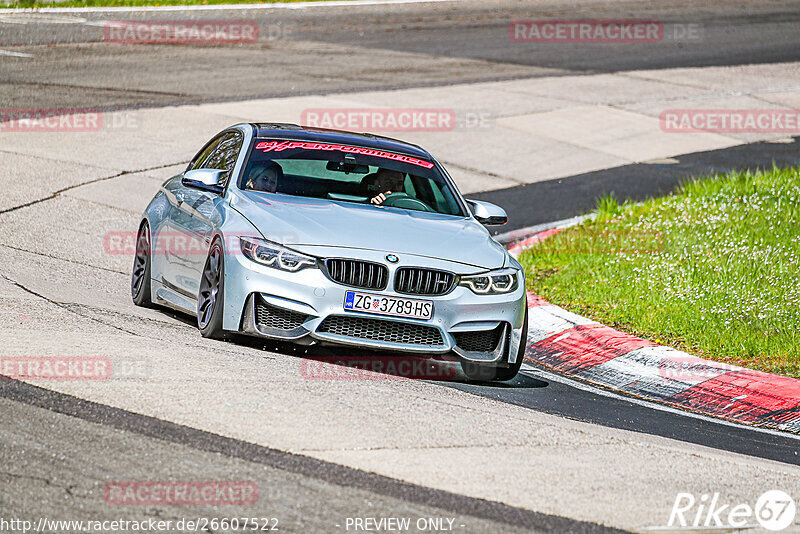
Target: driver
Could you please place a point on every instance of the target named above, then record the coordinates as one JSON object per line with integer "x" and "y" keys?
{"x": 388, "y": 181}
{"x": 264, "y": 177}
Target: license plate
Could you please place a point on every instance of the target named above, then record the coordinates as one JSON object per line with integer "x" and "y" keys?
{"x": 393, "y": 306}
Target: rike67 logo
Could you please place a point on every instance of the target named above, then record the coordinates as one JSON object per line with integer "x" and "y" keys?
{"x": 774, "y": 510}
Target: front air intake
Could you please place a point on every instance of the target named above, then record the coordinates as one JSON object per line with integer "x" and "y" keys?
{"x": 420, "y": 281}
{"x": 382, "y": 330}
{"x": 357, "y": 273}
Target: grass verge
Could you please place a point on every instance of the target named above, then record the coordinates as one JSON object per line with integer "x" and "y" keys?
{"x": 135, "y": 3}
{"x": 713, "y": 269}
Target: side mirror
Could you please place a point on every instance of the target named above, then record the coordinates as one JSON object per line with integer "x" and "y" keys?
{"x": 488, "y": 214}
{"x": 204, "y": 180}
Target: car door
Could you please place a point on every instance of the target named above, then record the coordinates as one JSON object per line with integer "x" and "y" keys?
{"x": 171, "y": 236}
{"x": 197, "y": 214}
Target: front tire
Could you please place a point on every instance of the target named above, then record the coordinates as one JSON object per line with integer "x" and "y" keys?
{"x": 141, "y": 274}
{"x": 210, "y": 298}
{"x": 487, "y": 373}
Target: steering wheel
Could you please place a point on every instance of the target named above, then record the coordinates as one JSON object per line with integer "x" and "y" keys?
{"x": 403, "y": 200}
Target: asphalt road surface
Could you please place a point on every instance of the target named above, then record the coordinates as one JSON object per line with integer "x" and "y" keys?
{"x": 299, "y": 493}
{"x": 58, "y": 450}
{"x": 554, "y": 200}
{"x": 341, "y": 49}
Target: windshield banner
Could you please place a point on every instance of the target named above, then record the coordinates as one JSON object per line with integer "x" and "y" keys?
{"x": 279, "y": 146}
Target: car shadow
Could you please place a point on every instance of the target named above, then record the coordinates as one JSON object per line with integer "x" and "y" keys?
{"x": 521, "y": 381}
{"x": 320, "y": 362}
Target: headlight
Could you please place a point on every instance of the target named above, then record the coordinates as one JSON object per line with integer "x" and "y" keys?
{"x": 492, "y": 283}
{"x": 273, "y": 255}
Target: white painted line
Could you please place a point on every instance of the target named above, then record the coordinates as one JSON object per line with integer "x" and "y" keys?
{"x": 661, "y": 161}
{"x": 39, "y": 19}
{"x": 14, "y": 54}
{"x": 535, "y": 372}
{"x": 221, "y": 7}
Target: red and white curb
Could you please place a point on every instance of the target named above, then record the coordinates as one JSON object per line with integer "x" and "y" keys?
{"x": 581, "y": 348}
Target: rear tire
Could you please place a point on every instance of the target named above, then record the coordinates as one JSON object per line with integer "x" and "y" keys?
{"x": 487, "y": 373}
{"x": 141, "y": 276}
{"x": 210, "y": 298}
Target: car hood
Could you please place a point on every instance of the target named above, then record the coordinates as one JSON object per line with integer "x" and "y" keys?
{"x": 298, "y": 221}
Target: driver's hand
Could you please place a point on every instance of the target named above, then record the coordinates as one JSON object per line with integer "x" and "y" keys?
{"x": 380, "y": 198}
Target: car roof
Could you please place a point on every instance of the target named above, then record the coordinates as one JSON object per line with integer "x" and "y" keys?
{"x": 305, "y": 133}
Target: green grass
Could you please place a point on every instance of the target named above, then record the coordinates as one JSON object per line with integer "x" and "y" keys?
{"x": 133, "y": 3}
{"x": 713, "y": 269}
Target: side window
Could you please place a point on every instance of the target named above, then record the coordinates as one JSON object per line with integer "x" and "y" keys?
{"x": 437, "y": 194}
{"x": 202, "y": 156}
{"x": 224, "y": 156}
{"x": 409, "y": 187}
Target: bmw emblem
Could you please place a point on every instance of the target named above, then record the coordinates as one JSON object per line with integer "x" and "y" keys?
{"x": 391, "y": 258}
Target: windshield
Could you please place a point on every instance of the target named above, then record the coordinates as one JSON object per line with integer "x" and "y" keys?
{"x": 348, "y": 173}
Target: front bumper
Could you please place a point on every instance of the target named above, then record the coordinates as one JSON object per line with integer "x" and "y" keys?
{"x": 307, "y": 306}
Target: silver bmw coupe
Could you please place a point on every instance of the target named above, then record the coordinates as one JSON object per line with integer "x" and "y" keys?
{"x": 320, "y": 236}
